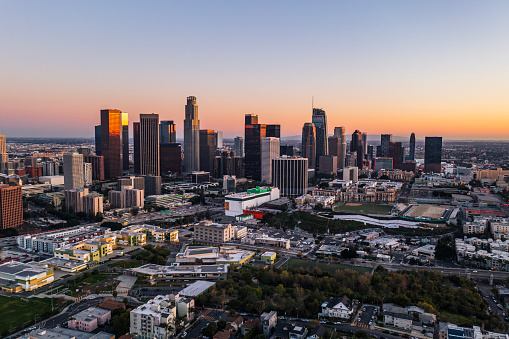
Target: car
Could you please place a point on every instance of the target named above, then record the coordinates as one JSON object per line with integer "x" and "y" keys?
{"x": 474, "y": 271}
{"x": 364, "y": 309}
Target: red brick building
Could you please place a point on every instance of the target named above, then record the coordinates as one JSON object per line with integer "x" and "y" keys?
{"x": 11, "y": 206}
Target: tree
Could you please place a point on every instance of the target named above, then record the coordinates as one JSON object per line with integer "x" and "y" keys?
{"x": 134, "y": 211}
{"x": 115, "y": 293}
{"x": 210, "y": 329}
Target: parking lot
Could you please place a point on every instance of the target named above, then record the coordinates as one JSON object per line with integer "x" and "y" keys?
{"x": 367, "y": 316}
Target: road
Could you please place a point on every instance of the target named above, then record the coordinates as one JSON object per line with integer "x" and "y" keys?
{"x": 474, "y": 274}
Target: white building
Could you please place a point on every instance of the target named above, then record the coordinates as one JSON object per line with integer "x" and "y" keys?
{"x": 351, "y": 173}
{"x": 270, "y": 150}
{"x": 87, "y": 173}
{"x": 235, "y": 204}
{"x": 290, "y": 175}
{"x": 337, "y": 308}
{"x": 153, "y": 319}
{"x": 427, "y": 251}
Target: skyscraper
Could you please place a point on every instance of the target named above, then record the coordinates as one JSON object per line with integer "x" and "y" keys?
{"x": 111, "y": 142}
{"x": 254, "y": 133}
{"x": 167, "y": 132}
{"x": 319, "y": 119}
{"x": 290, "y": 175}
{"x": 239, "y": 147}
{"x": 191, "y": 137}
{"x": 171, "y": 158}
{"x": 273, "y": 131}
{"x": 73, "y": 171}
{"x": 11, "y": 206}
{"x": 97, "y": 131}
{"x": 4, "y": 158}
{"x": 270, "y": 150}
{"x": 339, "y": 132}
{"x": 335, "y": 148}
{"x": 365, "y": 143}
{"x": 207, "y": 150}
{"x": 385, "y": 140}
{"x": 356, "y": 145}
{"x": 433, "y": 154}
{"x": 125, "y": 141}
{"x": 219, "y": 139}
{"x": 136, "y": 148}
{"x": 411, "y": 151}
{"x": 149, "y": 144}
{"x": 97, "y": 166}
{"x": 309, "y": 144}
{"x": 396, "y": 153}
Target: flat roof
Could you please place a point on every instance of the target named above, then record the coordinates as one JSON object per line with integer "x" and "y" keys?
{"x": 196, "y": 288}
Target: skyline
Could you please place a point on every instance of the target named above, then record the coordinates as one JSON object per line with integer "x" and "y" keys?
{"x": 430, "y": 68}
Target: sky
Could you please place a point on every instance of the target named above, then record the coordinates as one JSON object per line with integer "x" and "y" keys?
{"x": 428, "y": 67}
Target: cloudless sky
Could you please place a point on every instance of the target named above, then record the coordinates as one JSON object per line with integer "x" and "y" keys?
{"x": 429, "y": 67}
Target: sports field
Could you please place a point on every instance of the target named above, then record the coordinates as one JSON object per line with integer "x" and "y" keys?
{"x": 16, "y": 312}
{"x": 296, "y": 263}
{"x": 363, "y": 208}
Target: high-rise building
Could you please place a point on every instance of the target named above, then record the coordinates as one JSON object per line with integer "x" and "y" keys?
{"x": 382, "y": 163}
{"x": 286, "y": 150}
{"x": 433, "y": 154}
{"x": 351, "y": 173}
{"x": 385, "y": 140}
{"x": 73, "y": 171}
{"x": 207, "y": 150}
{"x": 80, "y": 200}
{"x": 239, "y": 147}
{"x": 3, "y": 144}
{"x": 171, "y": 158}
{"x": 125, "y": 141}
{"x": 87, "y": 174}
{"x": 11, "y": 206}
{"x": 126, "y": 197}
{"x": 411, "y": 149}
{"x": 149, "y": 144}
{"x": 273, "y": 131}
{"x": 167, "y": 132}
{"x": 30, "y": 161}
{"x": 136, "y": 148}
{"x": 254, "y": 133}
{"x": 290, "y": 175}
{"x": 339, "y": 132}
{"x": 319, "y": 120}
{"x": 84, "y": 150}
{"x": 270, "y": 150}
{"x": 97, "y": 132}
{"x": 111, "y": 142}
{"x": 97, "y": 166}
{"x": 396, "y": 153}
{"x": 335, "y": 148}
{"x": 153, "y": 185}
{"x": 309, "y": 144}
{"x": 191, "y": 137}
{"x": 219, "y": 139}
{"x": 356, "y": 145}
{"x": 329, "y": 164}
{"x": 365, "y": 144}
{"x": 134, "y": 182}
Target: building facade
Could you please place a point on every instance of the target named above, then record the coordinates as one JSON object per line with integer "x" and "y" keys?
{"x": 191, "y": 137}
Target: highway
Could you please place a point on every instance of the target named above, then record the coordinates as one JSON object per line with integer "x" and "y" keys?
{"x": 474, "y": 273}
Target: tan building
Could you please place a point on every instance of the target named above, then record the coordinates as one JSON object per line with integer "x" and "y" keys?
{"x": 81, "y": 201}
{"x": 207, "y": 231}
{"x": 11, "y": 206}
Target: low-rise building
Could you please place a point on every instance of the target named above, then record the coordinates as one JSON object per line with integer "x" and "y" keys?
{"x": 337, "y": 308}
{"x": 268, "y": 257}
{"x": 401, "y": 320}
{"x": 186, "y": 272}
{"x": 16, "y": 276}
{"x": 235, "y": 204}
{"x": 209, "y": 232}
{"x": 89, "y": 319}
{"x": 268, "y": 321}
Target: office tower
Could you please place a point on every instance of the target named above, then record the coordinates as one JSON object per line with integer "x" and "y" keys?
{"x": 224, "y": 164}
{"x": 411, "y": 150}
{"x": 339, "y": 132}
{"x": 149, "y": 144}
{"x": 11, "y": 206}
{"x": 309, "y": 144}
{"x": 48, "y": 168}
{"x": 229, "y": 183}
{"x": 286, "y": 150}
{"x": 191, "y": 137}
{"x": 136, "y": 148}
{"x": 356, "y": 145}
{"x": 111, "y": 142}
{"x": 409, "y": 166}
{"x": 335, "y": 149}
{"x": 328, "y": 164}
{"x": 254, "y": 133}
{"x": 84, "y": 151}
{"x": 73, "y": 171}
{"x": 97, "y": 131}
{"x": 207, "y": 150}
{"x": 385, "y": 140}
{"x": 433, "y": 154}
{"x": 153, "y": 185}
{"x": 97, "y": 163}
{"x": 238, "y": 167}
{"x": 351, "y": 173}
{"x": 239, "y": 147}
{"x": 365, "y": 144}
{"x": 396, "y": 153}
{"x": 290, "y": 175}
{"x": 273, "y": 131}
{"x": 87, "y": 174}
{"x": 167, "y": 132}
{"x": 319, "y": 120}
{"x": 270, "y": 150}
{"x": 30, "y": 161}
{"x": 371, "y": 150}
{"x": 171, "y": 158}
{"x": 3, "y": 144}
{"x": 125, "y": 141}
{"x": 219, "y": 139}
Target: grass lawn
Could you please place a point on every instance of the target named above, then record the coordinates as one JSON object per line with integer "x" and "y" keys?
{"x": 363, "y": 208}
{"x": 126, "y": 264}
{"x": 314, "y": 223}
{"x": 295, "y": 263}
{"x": 16, "y": 312}
{"x": 459, "y": 320}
